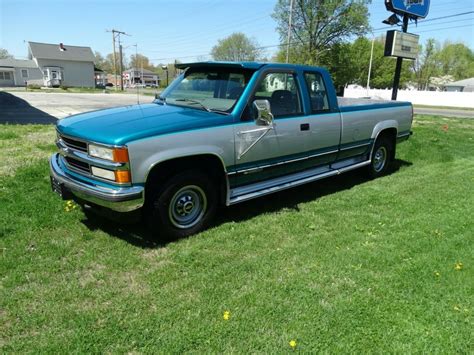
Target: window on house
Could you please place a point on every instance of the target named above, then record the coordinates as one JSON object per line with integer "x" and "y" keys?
{"x": 24, "y": 73}
{"x": 4, "y": 75}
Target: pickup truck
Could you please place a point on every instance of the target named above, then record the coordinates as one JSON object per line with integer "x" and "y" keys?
{"x": 220, "y": 134}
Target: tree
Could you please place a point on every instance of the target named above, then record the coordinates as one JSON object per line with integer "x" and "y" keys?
{"x": 456, "y": 59}
{"x": 317, "y": 25}
{"x": 4, "y": 54}
{"x": 141, "y": 61}
{"x": 236, "y": 47}
{"x": 426, "y": 65}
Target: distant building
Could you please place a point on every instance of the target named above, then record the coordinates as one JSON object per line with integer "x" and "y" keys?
{"x": 137, "y": 76}
{"x": 100, "y": 77}
{"x": 17, "y": 72}
{"x": 466, "y": 85}
{"x": 50, "y": 65}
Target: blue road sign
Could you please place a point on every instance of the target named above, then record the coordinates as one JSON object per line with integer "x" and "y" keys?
{"x": 413, "y": 8}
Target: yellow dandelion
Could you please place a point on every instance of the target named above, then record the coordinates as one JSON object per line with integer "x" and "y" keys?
{"x": 458, "y": 266}
{"x": 226, "y": 315}
{"x": 437, "y": 274}
{"x": 292, "y": 343}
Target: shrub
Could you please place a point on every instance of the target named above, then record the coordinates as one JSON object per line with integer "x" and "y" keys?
{"x": 34, "y": 86}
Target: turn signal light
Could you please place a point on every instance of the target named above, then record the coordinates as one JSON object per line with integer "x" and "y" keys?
{"x": 120, "y": 155}
{"x": 122, "y": 176}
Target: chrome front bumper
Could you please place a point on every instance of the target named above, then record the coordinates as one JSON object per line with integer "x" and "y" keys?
{"x": 122, "y": 199}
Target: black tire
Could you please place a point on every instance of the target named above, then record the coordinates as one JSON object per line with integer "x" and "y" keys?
{"x": 381, "y": 157}
{"x": 182, "y": 206}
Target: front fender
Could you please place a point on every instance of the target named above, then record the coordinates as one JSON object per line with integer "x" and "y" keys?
{"x": 147, "y": 153}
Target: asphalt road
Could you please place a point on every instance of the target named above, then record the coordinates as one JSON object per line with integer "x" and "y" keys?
{"x": 444, "y": 112}
{"x": 39, "y": 107}
{"x": 21, "y": 107}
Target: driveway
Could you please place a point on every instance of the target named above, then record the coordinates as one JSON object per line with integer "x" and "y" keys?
{"x": 40, "y": 107}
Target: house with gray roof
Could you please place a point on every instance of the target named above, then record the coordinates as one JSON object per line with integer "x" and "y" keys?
{"x": 50, "y": 65}
{"x": 466, "y": 85}
{"x": 63, "y": 64}
{"x": 17, "y": 72}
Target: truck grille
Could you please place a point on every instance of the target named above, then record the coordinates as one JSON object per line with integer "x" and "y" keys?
{"x": 78, "y": 165}
{"x": 74, "y": 144}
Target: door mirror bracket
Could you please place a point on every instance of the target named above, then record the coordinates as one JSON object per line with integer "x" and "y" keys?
{"x": 264, "y": 113}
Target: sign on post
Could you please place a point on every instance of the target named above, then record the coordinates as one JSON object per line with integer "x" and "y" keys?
{"x": 402, "y": 45}
{"x": 413, "y": 8}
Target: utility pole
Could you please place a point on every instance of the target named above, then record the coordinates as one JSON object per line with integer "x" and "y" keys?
{"x": 116, "y": 37}
{"x": 398, "y": 68}
{"x": 289, "y": 32}
{"x": 370, "y": 64}
{"x": 121, "y": 67}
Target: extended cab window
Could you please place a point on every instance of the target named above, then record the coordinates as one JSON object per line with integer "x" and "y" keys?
{"x": 281, "y": 90}
{"x": 317, "y": 92}
{"x": 210, "y": 90}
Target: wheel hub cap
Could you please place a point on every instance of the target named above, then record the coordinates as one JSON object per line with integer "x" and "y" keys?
{"x": 187, "y": 207}
{"x": 379, "y": 159}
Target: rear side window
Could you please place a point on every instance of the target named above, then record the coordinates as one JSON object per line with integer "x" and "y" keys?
{"x": 317, "y": 92}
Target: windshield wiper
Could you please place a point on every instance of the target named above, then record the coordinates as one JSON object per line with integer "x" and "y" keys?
{"x": 203, "y": 106}
{"x": 195, "y": 102}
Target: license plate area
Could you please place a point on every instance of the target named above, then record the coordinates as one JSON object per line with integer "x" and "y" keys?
{"x": 60, "y": 189}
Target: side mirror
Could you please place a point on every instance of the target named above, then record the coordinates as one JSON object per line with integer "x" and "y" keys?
{"x": 264, "y": 112}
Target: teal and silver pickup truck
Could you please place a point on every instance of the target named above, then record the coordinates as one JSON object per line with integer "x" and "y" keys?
{"x": 220, "y": 134}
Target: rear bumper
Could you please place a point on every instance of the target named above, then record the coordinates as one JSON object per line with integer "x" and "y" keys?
{"x": 123, "y": 199}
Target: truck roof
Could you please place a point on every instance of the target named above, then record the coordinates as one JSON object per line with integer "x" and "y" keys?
{"x": 241, "y": 65}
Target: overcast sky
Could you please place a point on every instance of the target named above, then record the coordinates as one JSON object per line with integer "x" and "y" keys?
{"x": 183, "y": 29}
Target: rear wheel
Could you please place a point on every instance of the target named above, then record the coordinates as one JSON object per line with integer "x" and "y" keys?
{"x": 184, "y": 205}
{"x": 381, "y": 157}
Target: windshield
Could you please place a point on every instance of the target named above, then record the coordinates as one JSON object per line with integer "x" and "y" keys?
{"x": 208, "y": 89}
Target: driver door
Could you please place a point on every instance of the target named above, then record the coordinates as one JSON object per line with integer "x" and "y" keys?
{"x": 261, "y": 150}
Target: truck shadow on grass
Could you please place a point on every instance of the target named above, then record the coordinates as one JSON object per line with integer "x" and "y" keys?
{"x": 137, "y": 234}
{"x": 14, "y": 110}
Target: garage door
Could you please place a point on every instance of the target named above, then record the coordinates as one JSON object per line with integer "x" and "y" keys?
{"x": 6, "y": 78}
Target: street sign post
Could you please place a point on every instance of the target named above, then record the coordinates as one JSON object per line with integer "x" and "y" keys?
{"x": 403, "y": 44}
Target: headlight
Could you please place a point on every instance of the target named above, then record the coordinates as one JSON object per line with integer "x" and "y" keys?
{"x": 101, "y": 152}
{"x": 119, "y": 155}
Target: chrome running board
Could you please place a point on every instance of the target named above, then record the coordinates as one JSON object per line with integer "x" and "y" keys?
{"x": 248, "y": 192}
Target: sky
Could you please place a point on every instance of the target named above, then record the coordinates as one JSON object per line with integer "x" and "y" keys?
{"x": 185, "y": 29}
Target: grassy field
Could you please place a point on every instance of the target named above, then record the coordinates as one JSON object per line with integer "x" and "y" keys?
{"x": 342, "y": 265}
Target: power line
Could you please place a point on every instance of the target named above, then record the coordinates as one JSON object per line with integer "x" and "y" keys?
{"x": 429, "y": 20}
{"x": 420, "y": 23}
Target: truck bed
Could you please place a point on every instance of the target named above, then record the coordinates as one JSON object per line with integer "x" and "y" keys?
{"x": 355, "y": 104}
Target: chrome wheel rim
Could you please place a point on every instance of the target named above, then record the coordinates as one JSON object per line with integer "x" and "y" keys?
{"x": 187, "y": 207}
{"x": 380, "y": 157}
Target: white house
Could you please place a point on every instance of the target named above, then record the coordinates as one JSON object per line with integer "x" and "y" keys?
{"x": 466, "y": 85}
{"x": 63, "y": 64}
{"x": 50, "y": 65}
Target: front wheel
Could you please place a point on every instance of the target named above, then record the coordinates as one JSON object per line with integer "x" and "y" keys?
{"x": 182, "y": 206}
{"x": 380, "y": 158}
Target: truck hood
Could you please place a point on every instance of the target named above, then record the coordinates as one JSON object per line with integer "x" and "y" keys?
{"x": 118, "y": 126}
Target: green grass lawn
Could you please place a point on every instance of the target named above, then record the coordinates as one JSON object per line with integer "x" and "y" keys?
{"x": 342, "y": 265}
